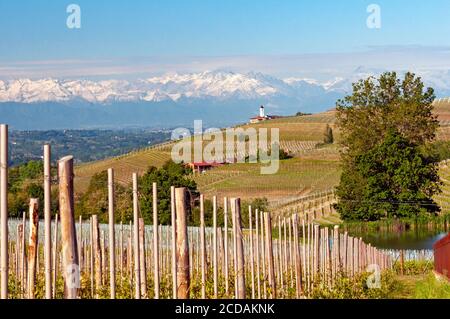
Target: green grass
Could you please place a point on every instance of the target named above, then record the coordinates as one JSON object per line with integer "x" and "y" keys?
{"x": 432, "y": 288}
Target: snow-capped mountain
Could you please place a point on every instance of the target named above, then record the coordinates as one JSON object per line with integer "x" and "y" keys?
{"x": 219, "y": 98}
{"x": 220, "y": 85}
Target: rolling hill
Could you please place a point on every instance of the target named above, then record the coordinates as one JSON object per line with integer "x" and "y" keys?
{"x": 313, "y": 170}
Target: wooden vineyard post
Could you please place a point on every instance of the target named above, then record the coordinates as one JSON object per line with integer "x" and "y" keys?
{"x": 258, "y": 275}
{"x": 269, "y": 253}
{"x": 33, "y": 245}
{"x": 225, "y": 220}
{"x": 142, "y": 262}
{"x": 155, "y": 241}
{"x": 252, "y": 266}
{"x": 183, "y": 210}
{"x": 305, "y": 274}
{"x": 344, "y": 253}
{"x": 240, "y": 271}
{"x": 203, "y": 245}
{"x": 215, "y": 274}
{"x": 22, "y": 259}
{"x": 174, "y": 244}
{"x": 4, "y": 210}
{"x": 402, "y": 262}
{"x": 97, "y": 254}
{"x": 336, "y": 249}
{"x": 317, "y": 258}
{"x": 92, "y": 256}
{"x": 47, "y": 222}
{"x": 280, "y": 255}
{"x": 80, "y": 242}
{"x": 285, "y": 254}
{"x": 55, "y": 256}
{"x": 137, "y": 275}
{"x": 112, "y": 236}
{"x": 291, "y": 273}
{"x": 263, "y": 255}
{"x": 121, "y": 253}
{"x": 298, "y": 265}
{"x": 233, "y": 220}
{"x": 70, "y": 263}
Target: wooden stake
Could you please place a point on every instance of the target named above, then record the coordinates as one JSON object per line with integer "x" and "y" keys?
{"x": 137, "y": 275}
{"x": 97, "y": 254}
{"x": 48, "y": 223}
{"x": 142, "y": 254}
{"x": 55, "y": 255}
{"x": 4, "y": 210}
{"x": 215, "y": 274}
{"x": 202, "y": 245}
{"x": 252, "y": 270}
{"x": 298, "y": 265}
{"x": 183, "y": 210}
{"x": 112, "y": 235}
{"x": 155, "y": 241}
{"x": 33, "y": 245}
{"x": 225, "y": 219}
{"x": 71, "y": 272}
{"x": 258, "y": 275}
{"x": 263, "y": 255}
{"x": 174, "y": 240}
{"x": 269, "y": 253}
{"x": 236, "y": 211}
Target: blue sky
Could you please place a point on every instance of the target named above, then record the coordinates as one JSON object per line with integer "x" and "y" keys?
{"x": 171, "y": 32}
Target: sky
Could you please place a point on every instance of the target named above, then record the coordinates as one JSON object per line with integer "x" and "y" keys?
{"x": 124, "y": 38}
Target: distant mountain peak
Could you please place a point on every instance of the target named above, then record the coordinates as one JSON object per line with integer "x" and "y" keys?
{"x": 208, "y": 84}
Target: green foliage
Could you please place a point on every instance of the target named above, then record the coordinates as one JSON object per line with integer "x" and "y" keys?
{"x": 355, "y": 288}
{"x": 413, "y": 267}
{"x": 18, "y": 174}
{"x": 95, "y": 200}
{"x": 171, "y": 174}
{"x": 384, "y": 126}
{"x": 399, "y": 181}
{"x": 439, "y": 150}
{"x": 25, "y": 182}
{"x": 432, "y": 288}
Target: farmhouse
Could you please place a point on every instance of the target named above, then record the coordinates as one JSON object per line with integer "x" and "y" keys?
{"x": 201, "y": 167}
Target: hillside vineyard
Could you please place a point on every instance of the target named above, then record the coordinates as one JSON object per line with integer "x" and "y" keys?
{"x": 284, "y": 257}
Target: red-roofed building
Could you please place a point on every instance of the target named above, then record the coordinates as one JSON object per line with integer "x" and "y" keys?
{"x": 200, "y": 167}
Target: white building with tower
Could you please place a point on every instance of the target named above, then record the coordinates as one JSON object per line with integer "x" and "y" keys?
{"x": 262, "y": 116}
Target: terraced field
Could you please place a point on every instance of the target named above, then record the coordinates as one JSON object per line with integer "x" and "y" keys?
{"x": 298, "y": 135}
{"x": 124, "y": 166}
{"x": 296, "y": 177}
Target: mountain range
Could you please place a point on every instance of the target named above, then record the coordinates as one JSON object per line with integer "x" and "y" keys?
{"x": 219, "y": 98}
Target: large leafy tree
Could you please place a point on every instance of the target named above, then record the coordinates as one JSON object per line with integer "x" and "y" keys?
{"x": 399, "y": 181}
{"x": 393, "y": 116}
{"x": 171, "y": 174}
